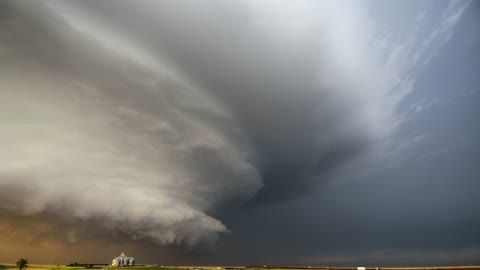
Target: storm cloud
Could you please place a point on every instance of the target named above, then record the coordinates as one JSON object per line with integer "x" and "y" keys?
{"x": 147, "y": 118}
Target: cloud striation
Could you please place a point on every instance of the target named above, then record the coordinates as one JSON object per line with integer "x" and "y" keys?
{"x": 149, "y": 117}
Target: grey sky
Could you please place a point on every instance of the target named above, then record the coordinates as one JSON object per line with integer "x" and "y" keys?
{"x": 248, "y": 132}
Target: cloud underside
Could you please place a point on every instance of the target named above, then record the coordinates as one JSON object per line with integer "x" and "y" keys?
{"x": 147, "y": 122}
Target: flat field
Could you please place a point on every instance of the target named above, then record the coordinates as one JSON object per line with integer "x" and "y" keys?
{"x": 156, "y": 267}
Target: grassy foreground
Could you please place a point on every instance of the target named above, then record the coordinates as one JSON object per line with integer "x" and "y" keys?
{"x": 153, "y": 267}
{"x": 66, "y": 267}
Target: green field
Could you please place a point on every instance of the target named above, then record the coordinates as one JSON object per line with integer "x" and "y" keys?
{"x": 65, "y": 267}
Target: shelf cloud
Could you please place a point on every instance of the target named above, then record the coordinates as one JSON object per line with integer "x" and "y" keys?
{"x": 147, "y": 118}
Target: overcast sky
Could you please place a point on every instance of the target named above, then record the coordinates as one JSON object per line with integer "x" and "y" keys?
{"x": 240, "y": 132}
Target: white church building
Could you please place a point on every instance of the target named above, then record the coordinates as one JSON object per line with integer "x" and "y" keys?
{"x": 123, "y": 260}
